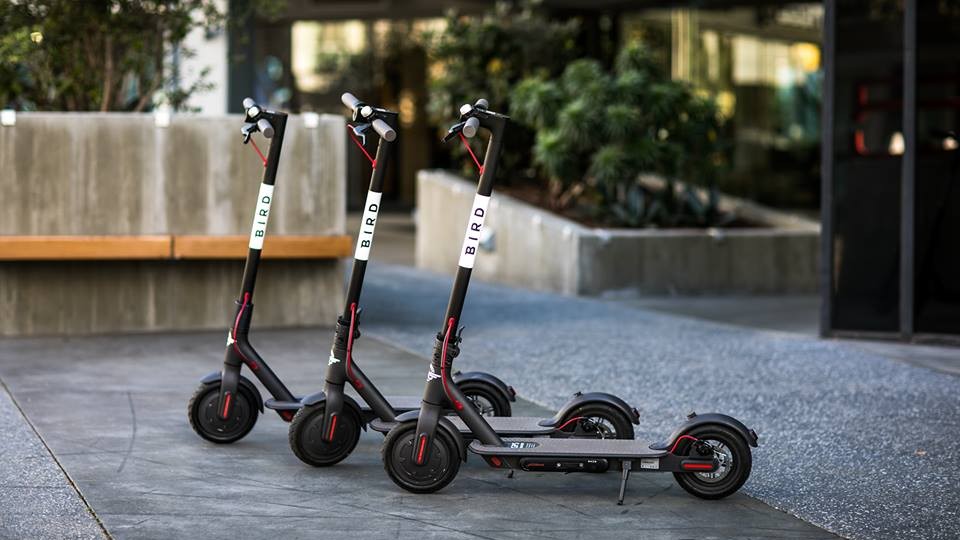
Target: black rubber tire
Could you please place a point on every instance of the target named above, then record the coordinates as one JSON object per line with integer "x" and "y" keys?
{"x": 305, "y": 438}
{"x": 620, "y": 422}
{"x": 501, "y": 405}
{"x": 205, "y": 420}
{"x": 433, "y": 476}
{"x": 695, "y": 485}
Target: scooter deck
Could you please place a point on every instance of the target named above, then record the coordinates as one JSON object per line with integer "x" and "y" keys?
{"x": 517, "y": 426}
{"x": 569, "y": 447}
{"x": 400, "y": 404}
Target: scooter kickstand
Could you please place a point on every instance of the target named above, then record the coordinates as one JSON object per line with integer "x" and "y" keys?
{"x": 623, "y": 480}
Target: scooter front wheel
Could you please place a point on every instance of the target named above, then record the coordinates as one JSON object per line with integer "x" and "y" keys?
{"x": 734, "y": 456}
{"x": 306, "y": 435}
{"x": 438, "y": 471}
{"x": 202, "y": 410}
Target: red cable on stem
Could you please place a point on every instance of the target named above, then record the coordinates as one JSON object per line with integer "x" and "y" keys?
{"x": 474, "y": 156}
{"x": 353, "y": 318}
{"x": 356, "y": 141}
{"x": 443, "y": 365}
{"x": 259, "y": 153}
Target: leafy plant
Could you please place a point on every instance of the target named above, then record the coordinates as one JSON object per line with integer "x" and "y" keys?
{"x": 103, "y": 54}
{"x": 597, "y": 131}
{"x": 485, "y": 56}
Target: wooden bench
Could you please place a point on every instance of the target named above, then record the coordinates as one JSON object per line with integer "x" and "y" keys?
{"x": 166, "y": 247}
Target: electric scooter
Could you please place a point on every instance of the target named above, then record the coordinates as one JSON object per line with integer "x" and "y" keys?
{"x": 327, "y": 426}
{"x": 224, "y": 407}
{"x": 709, "y": 454}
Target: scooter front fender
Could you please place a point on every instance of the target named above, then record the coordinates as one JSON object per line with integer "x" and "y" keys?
{"x": 444, "y": 424}
{"x": 318, "y": 397}
{"x": 215, "y": 377}
{"x": 580, "y": 399}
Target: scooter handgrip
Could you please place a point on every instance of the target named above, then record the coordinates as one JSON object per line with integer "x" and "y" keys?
{"x": 384, "y": 130}
{"x": 482, "y": 104}
{"x": 470, "y": 127}
{"x": 264, "y": 126}
{"x": 350, "y": 101}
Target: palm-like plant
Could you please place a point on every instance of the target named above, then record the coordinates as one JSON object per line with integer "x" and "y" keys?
{"x": 597, "y": 131}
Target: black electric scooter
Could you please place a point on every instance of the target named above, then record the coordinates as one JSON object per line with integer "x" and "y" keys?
{"x": 224, "y": 408}
{"x": 709, "y": 454}
{"x": 327, "y": 427}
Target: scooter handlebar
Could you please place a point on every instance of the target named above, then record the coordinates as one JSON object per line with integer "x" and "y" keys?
{"x": 384, "y": 130}
{"x": 265, "y": 127}
{"x": 470, "y": 127}
{"x": 350, "y": 101}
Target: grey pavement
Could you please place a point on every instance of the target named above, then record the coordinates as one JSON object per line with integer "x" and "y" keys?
{"x": 112, "y": 409}
{"x": 37, "y": 498}
{"x": 851, "y": 440}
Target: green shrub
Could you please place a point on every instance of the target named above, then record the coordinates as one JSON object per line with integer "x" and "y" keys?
{"x": 485, "y": 56}
{"x": 597, "y": 131}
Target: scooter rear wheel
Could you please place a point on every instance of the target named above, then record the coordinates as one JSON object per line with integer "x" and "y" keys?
{"x": 202, "y": 410}
{"x": 433, "y": 475}
{"x": 306, "y": 435}
{"x": 597, "y": 421}
{"x": 735, "y": 463}
{"x": 488, "y": 400}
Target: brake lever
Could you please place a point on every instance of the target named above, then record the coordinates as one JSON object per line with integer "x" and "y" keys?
{"x": 247, "y": 130}
{"x": 454, "y": 130}
{"x": 360, "y": 130}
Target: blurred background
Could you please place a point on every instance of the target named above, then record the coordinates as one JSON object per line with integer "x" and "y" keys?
{"x": 830, "y": 124}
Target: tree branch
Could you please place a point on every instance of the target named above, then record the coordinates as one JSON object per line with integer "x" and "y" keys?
{"x": 108, "y": 73}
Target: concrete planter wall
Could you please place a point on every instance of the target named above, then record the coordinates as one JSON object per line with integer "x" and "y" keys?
{"x": 120, "y": 174}
{"x": 532, "y": 248}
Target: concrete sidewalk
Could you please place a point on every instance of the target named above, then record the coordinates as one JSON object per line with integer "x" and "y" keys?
{"x": 112, "y": 409}
{"x": 37, "y": 498}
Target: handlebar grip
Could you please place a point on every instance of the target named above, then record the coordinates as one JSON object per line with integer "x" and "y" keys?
{"x": 470, "y": 127}
{"x": 384, "y": 130}
{"x": 482, "y": 104}
{"x": 264, "y": 126}
{"x": 350, "y": 101}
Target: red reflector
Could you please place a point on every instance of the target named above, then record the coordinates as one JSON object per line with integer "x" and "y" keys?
{"x": 697, "y": 466}
{"x": 423, "y": 446}
{"x": 496, "y": 461}
{"x": 333, "y": 426}
{"x": 226, "y": 404}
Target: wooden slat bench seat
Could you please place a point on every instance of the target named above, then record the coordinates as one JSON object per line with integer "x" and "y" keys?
{"x": 164, "y": 247}
{"x": 275, "y": 247}
{"x": 84, "y": 248}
